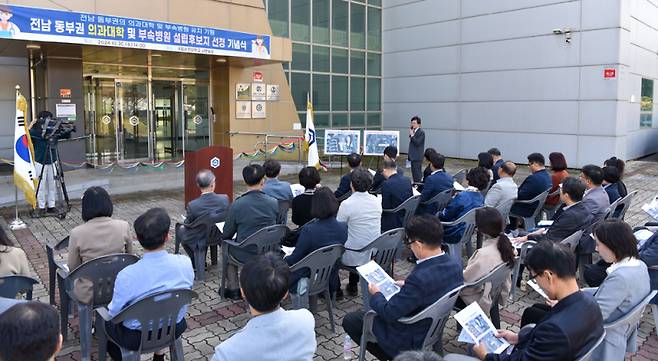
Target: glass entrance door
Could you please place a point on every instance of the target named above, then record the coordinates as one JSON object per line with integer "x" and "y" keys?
{"x": 167, "y": 135}
{"x": 133, "y": 130}
{"x": 195, "y": 114}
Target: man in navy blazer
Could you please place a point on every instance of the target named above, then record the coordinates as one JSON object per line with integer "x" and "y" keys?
{"x": 395, "y": 190}
{"x": 435, "y": 275}
{"x": 572, "y": 326}
{"x": 498, "y": 162}
{"x": 354, "y": 160}
{"x": 536, "y": 183}
{"x": 390, "y": 153}
{"x": 436, "y": 183}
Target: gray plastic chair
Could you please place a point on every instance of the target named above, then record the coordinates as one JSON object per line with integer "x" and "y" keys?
{"x": 408, "y": 206}
{"x": 319, "y": 263}
{"x": 531, "y": 221}
{"x": 385, "y": 249}
{"x": 455, "y": 249}
{"x": 623, "y": 205}
{"x": 460, "y": 176}
{"x": 549, "y": 211}
{"x": 496, "y": 279}
{"x": 654, "y": 308}
{"x": 159, "y": 309}
{"x": 589, "y": 353}
{"x": 573, "y": 240}
{"x": 101, "y": 272}
{"x": 517, "y": 266}
{"x": 441, "y": 200}
{"x": 631, "y": 320}
{"x": 438, "y": 312}
{"x": 282, "y": 215}
{"x": 264, "y": 240}
{"x": 54, "y": 265}
{"x": 504, "y": 209}
{"x": 11, "y": 286}
{"x": 200, "y": 247}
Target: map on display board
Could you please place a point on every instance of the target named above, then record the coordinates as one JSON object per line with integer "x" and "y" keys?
{"x": 374, "y": 141}
{"x": 341, "y": 142}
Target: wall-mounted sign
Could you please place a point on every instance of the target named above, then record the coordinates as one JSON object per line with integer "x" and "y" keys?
{"x": 257, "y": 76}
{"x": 242, "y": 110}
{"x": 134, "y": 120}
{"x": 65, "y": 93}
{"x": 243, "y": 91}
{"x": 65, "y": 111}
{"x": 197, "y": 119}
{"x": 258, "y": 91}
{"x": 609, "y": 73}
{"x": 258, "y": 110}
{"x": 272, "y": 92}
{"x": 26, "y": 23}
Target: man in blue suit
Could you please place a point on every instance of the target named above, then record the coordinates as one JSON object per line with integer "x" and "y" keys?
{"x": 436, "y": 183}
{"x": 354, "y": 160}
{"x": 395, "y": 190}
{"x": 435, "y": 275}
{"x": 498, "y": 162}
{"x": 536, "y": 183}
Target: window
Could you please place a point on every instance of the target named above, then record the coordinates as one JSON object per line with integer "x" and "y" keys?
{"x": 374, "y": 64}
{"x": 301, "y": 57}
{"x": 358, "y": 26}
{"x": 646, "y": 104}
{"x": 374, "y": 29}
{"x": 300, "y": 86}
{"x": 357, "y": 93}
{"x": 339, "y": 93}
{"x": 278, "y": 14}
{"x": 321, "y": 120}
{"x": 339, "y": 120}
{"x": 374, "y": 94}
{"x": 340, "y": 61}
{"x": 321, "y": 58}
{"x": 357, "y": 120}
{"x": 320, "y": 21}
{"x": 374, "y": 121}
{"x": 339, "y": 22}
{"x": 300, "y": 20}
{"x": 320, "y": 92}
{"x": 358, "y": 60}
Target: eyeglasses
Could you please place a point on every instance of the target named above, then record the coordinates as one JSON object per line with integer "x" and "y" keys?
{"x": 532, "y": 277}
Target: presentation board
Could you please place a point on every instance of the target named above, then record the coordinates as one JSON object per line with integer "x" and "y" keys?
{"x": 374, "y": 141}
{"x": 341, "y": 142}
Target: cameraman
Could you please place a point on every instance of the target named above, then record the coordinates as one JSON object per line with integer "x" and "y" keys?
{"x": 42, "y": 130}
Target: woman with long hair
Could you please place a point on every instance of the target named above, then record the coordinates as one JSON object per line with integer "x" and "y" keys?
{"x": 13, "y": 260}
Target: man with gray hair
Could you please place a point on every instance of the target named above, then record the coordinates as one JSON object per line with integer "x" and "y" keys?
{"x": 209, "y": 203}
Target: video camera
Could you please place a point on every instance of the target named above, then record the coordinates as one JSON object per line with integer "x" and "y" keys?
{"x": 53, "y": 128}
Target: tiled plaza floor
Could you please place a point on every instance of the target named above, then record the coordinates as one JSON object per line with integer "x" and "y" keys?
{"x": 212, "y": 320}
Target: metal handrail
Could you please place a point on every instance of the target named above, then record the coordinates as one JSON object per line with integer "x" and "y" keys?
{"x": 266, "y": 142}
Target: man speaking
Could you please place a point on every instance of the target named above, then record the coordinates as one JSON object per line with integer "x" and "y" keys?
{"x": 416, "y": 149}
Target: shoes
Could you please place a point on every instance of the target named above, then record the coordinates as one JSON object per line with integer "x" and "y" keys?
{"x": 232, "y": 294}
{"x": 51, "y": 210}
{"x": 352, "y": 290}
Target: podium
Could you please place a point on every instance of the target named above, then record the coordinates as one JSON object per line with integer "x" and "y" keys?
{"x": 218, "y": 160}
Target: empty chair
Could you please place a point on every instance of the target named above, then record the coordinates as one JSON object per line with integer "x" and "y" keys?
{"x": 622, "y": 206}
{"x": 549, "y": 210}
{"x": 100, "y": 273}
{"x": 438, "y": 312}
{"x": 468, "y": 219}
{"x": 161, "y": 308}
{"x": 11, "y": 286}
{"x": 201, "y": 244}
{"x": 517, "y": 266}
{"x": 54, "y": 265}
{"x": 494, "y": 281}
{"x": 572, "y": 240}
{"x": 530, "y": 222}
{"x": 320, "y": 264}
{"x": 408, "y": 207}
{"x": 460, "y": 176}
{"x": 265, "y": 240}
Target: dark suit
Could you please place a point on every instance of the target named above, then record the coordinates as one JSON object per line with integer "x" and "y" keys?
{"x": 415, "y": 154}
{"x": 378, "y": 179}
{"x": 649, "y": 255}
{"x": 395, "y": 190}
{"x": 531, "y": 187}
{"x": 313, "y": 236}
{"x": 428, "y": 282}
{"x": 569, "y": 331}
{"x": 613, "y": 194}
{"x": 434, "y": 184}
{"x": 212, "y": 204}
{"x": 249, "y": 213}
{"x": 495, "y": 168}
{"x": 566, "y": 223}
{"x": 344, "y": 186}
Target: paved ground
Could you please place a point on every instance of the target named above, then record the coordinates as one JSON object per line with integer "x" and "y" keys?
{"x": 212, "y": 320}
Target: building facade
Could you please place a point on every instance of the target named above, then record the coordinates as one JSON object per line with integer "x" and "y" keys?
{"x": 576, "y": 76}
{"x": 146, "y": 80}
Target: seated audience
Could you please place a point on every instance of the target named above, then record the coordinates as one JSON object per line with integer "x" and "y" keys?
{"x": 360, "y": 211}
{"x": 569, "y": 219}
{"x": 556, "y": 337}
{"x": 503, "y": 193}
{"x": 249, "y": 213}
{"x": 156, "y": 271}
{"x": 100, "y": 235}
{"x": 535, "y": 184}
{"x": 395, "y": 190}
{"x": 309, "y": 177}
{"x": 13, "y": 260}
{"x": 649, "y": 255}
{"x": 272, "y": 333}
{"x": 418, "y": 356}
{"x": 595, "y": 200}
{"x": 497, "y": 162}
{"x": 486, "y": 161}
{"x": 558, "y": 173}
{"x": 390, "y": 154}
{"x": 496, "y": 250}
{"x": 428, "y": 170}
{"x": 7, "y": 303}
{"x": 620, "y": 165}
{"x": 326, "y": 231}
{"x": 464, "y": 201}
{"x": 439, "y": 181}
{"x": 354, "y": 161}
{"x": 29, "y": 331}
{"x": 611, "y": 182}
{"x": 209, "y": 204}
{"x": 275, "y": 188}
{"x": 434, "y": 275}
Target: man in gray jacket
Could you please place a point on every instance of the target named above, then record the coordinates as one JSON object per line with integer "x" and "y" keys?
{"x": 416, "y": 149}
{"x": 596, "y": 201}
{"x": 503, "y": 193}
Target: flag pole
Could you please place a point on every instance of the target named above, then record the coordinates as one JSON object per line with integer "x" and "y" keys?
{"x": 17, "y": 223}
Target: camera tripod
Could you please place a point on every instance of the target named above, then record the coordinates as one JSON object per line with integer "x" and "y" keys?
{"x": 62, "y": 204}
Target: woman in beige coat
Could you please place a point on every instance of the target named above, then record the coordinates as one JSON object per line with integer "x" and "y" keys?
{"x": 13, "y": 260}
{"x": 496, "y": 249}
{"x": 100, "y": 235}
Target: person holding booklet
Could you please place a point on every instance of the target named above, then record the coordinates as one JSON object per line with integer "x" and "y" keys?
{"x": 435, "y": 274}
{"x": 569, "y": 330}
